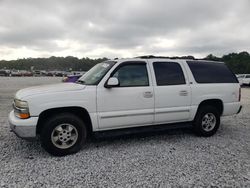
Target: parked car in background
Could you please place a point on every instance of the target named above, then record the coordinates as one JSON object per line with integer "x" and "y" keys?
{"x": 26, "y": 73}
{"x": 58, "y": 73}
{"x": 5, "y": 72}
{"x": 71, "y": 78}
{"x": 37, "y": 73}
{"x": 79, "y": 73}
{"x": 126, "y": 93}
{"x": 16, "y": 73}
{"x": 240, "y": 78}
{"x": 246, "y": 79}
{"x": 49, "y": 73}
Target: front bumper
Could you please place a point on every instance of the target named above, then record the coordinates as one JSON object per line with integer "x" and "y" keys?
{"x": 23, "y": 128}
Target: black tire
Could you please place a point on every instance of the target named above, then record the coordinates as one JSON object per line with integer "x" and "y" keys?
{"x": 201, "y": 128}
{"x": 63, "y": 119}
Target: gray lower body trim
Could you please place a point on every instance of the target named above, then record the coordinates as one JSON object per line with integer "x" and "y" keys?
{"x": 173, "y": 111}
{"x": 142, "y": 114}
{"x": 127, "y": 115}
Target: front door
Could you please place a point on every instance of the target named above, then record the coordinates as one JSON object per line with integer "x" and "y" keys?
{"x": 131, "y": 103}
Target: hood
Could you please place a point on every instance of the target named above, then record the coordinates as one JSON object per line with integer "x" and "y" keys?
{"x": 62, "y": 87}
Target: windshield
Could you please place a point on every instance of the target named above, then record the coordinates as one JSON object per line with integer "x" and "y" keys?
{"x": 96, "y": 73}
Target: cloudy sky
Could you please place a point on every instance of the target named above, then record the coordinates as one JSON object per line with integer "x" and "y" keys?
{"x": 122, "y": 28}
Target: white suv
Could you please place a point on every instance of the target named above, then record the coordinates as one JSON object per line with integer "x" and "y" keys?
{"x": 126, "y": 93}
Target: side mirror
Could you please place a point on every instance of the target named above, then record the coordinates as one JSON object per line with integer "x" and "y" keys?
{"x": 112, "y": 82}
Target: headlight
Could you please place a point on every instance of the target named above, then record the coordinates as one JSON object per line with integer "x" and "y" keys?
{"x": 21, "y": 109}
{"x": 20, "y": 104}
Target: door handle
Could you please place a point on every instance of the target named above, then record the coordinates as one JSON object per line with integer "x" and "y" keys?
{"x": 147, "y": 94}
{"x": 183, "y": 93}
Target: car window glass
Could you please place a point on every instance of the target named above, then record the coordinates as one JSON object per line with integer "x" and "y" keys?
{"x": 168, "y": 73}
{"x": 211, "y": 72}
{"x": 132, "y": 75}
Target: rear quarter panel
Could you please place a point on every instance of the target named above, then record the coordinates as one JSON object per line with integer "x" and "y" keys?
{"x": 227, "y": 93}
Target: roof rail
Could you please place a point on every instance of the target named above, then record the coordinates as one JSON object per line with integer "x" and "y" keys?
{"x": 165, "y": 57}
{"x": 146, "y": 56}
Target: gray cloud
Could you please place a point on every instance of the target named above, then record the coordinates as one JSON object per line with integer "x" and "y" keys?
{"x": 121, "y": 28}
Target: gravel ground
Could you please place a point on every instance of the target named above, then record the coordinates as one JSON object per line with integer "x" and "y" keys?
{"x": 175, "y": 158}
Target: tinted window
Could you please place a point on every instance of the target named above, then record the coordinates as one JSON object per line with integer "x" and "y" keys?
{"x": 211, "y": 72}
{"x": 132, "y": 75}
{"x": 168, "y": 73}
{"x": 247, "y": 76}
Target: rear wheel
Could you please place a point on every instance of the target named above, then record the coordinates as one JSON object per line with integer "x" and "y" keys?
{"x": 63, "y": 134}
{"x": 207, "y": 121}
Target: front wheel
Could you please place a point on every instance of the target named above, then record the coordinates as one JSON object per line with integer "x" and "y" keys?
{"x": 207, "y": 121}
{"x": 63, "y": 134}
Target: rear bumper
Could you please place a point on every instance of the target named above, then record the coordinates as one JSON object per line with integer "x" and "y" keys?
{"x": 239, "y": 109}
{"x": 231, "y": 108}
{"x": 23, "y": 128}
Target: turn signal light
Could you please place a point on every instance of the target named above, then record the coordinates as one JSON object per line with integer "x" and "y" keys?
{"x": 24, "y": 116}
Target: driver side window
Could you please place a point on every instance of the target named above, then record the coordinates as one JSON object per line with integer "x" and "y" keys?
{"x": 132, "y": 75}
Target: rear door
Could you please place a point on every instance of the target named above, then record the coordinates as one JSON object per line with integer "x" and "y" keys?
{"x": 172, "y": 92}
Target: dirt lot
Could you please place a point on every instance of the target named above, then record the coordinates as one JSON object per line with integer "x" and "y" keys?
{"x": 175, "y": 158}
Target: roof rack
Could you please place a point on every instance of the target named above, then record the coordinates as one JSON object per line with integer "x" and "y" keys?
{"x": 165, "y": 57}
{"x": 146, "y": 56}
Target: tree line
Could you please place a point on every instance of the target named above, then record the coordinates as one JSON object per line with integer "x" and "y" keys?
{"x": 238, "y": 62}
{"x": 51, "y": 63}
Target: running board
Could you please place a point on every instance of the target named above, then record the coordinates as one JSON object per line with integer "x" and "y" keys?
{"x": 143, "y": 130}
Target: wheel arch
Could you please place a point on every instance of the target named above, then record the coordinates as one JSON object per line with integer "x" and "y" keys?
{"x": 218, "y": 103}
{"x": 82, "y": 113}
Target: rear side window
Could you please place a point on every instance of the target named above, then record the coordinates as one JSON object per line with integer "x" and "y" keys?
{"x": 247, "y": 76}
{"x": 211, "y": 72}
{"x": 168, "y": 73}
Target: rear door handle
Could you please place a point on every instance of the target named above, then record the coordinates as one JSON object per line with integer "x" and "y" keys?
{"x": 183, "y": 93}
{"x": 148, "y": 94}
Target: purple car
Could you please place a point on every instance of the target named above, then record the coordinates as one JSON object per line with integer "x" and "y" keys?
{"x": 71, "y": 78}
